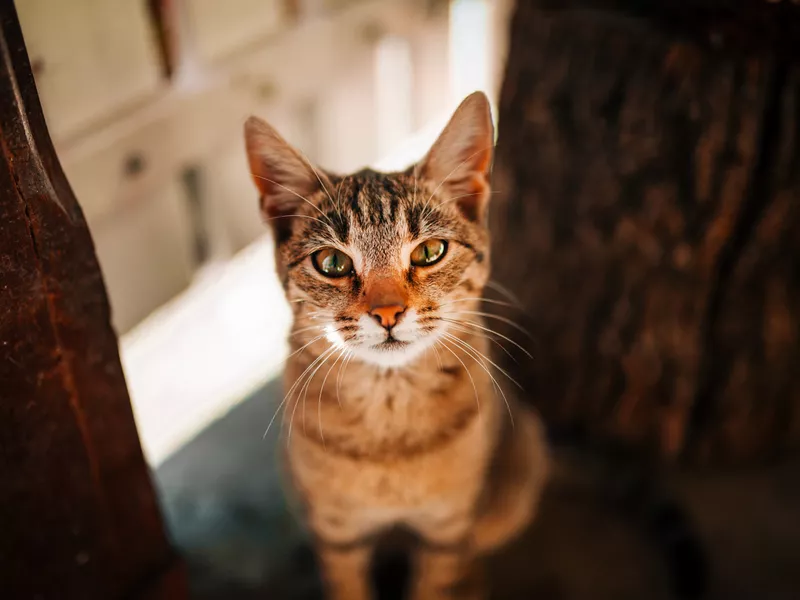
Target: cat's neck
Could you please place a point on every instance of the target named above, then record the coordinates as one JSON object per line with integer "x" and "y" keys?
{"x": 363, "y": 408}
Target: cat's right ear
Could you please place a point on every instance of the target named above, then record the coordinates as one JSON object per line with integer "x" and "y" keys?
{"x": 460, "y": 160}
{"x": 282, "y": 175}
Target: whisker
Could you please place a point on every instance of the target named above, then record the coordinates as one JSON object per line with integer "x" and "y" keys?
{"x": 438, "y": 358}
{"x": 474, "y": 387}
{"x": 489, "y": 360}
{"x": 414, "y": 175}
{"x": 309, "y": 379}
{"x": 458, "y": 343}
{"x": 282, "y": 364}
{"x": 339, "y": 194}
{"x": 294, "y": 216}
{"x": 321, "y": 313}
{"x": 304, "y": 329}
{"x": 303, "y": 347}
{"x": 480, "y": 313}
{"x": 286, "y": 397}
{"x": 313, "y": 170}
{"x": 493, "y": 285}
{"x": 341, "y": 375}
{"x": 289, "y": 394}
{"x": 275, "y": 414}
{"x": 303, "y": 198}
{"x": 458, "y": 327}
{"x": 456, "y": 168}
{"x": 298, "y": 382}
{"x": 342, "y": 352}
{"x": 450, "y": 200}
{"x": 492, "y": 331}
{"x": 488, "y": 300}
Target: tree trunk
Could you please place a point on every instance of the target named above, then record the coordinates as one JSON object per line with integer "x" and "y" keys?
{"x": 78, "y": 515}
{"x": 647, "y": 218}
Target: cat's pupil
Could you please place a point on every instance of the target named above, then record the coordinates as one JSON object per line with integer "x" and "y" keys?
{"x": 428, "y": 252}
{"x": 431, "y": 250}
{"x": 333, "y": 263}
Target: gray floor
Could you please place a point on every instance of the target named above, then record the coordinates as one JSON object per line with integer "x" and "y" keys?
{"x": 222, "y": 498}
{"x": 223, "y": 501}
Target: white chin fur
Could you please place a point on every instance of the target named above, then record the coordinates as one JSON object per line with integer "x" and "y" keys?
{"x": 393, "y": 358}
{"x": 369, "y": 352}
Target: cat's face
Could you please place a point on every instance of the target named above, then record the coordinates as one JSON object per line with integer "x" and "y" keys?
{"x": 381, "y": 265}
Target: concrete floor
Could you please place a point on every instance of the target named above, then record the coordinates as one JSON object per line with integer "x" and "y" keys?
{"x": 222, "y": 498}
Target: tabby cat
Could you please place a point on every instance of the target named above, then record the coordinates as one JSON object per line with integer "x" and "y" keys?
{"x": 395, "y": 414}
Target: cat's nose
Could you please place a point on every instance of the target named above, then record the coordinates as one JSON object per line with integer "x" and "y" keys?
{"x": 387, "y": 316}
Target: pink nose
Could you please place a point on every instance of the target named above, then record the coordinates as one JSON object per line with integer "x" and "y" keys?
{"x": 387, "y": 316}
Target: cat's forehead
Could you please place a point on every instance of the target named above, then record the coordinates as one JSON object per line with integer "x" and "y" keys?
{"x": 381, "y": 208}
{"x": 374, "y": 198}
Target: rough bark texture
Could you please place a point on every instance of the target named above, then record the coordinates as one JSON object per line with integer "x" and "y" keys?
{"x": 751, "y": 405}
{"x": 647, "y": 219}
{"x": 78, "y": 514}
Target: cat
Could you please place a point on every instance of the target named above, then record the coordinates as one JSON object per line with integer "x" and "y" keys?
{"x": 396, "y": 415}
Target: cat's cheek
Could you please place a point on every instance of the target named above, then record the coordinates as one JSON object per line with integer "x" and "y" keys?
{"x": 477, "y": 274}
{"x": 334, "y": 295}
{"x": 442, "y": 281}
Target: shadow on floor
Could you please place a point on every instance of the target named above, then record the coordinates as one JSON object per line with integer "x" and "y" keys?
{"x": 223, "y": 501}
{"x": 222, "y": 497}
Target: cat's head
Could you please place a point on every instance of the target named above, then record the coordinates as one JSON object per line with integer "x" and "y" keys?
{"x": 381, "y": 264}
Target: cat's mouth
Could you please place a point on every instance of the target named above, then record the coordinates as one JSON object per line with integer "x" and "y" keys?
{"x": 390, "y": 352}
{"x": 391, "y": 343}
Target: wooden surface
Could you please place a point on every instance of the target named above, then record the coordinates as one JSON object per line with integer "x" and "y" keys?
{"x": 647, "y": 192}
{"x": 751, "y": 404}
{"x": 77, "y": 509}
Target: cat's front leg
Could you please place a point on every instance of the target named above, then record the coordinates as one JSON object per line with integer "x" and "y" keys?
{"x": 446, "y": 566}
{"x": 345, "y": 570}
{"x": 344, "y": 545}
{"x": 448, "y": 573}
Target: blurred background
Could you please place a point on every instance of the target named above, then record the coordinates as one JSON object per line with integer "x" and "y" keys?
{"x": 145, "y": 101}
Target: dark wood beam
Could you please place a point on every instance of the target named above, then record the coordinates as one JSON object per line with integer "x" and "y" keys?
{"x": 78, "y": 514}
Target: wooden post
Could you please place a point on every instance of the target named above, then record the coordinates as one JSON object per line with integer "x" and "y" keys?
{"x": 647, "y": 217}
{"x": 78, "y": 514}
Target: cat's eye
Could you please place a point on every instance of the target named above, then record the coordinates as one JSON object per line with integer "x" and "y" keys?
{"x": 332, "y": 262}
{"x": 428, "y": 253}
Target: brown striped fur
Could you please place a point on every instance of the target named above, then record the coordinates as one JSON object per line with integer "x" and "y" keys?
{"x": 412, "y": 433}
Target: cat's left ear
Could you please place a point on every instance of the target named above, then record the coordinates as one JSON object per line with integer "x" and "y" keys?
{"x": 460, "y": 160}
{"x": 282, "y": 175}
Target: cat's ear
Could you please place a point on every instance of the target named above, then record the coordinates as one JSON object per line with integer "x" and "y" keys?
{"x": 460, "y": 160}
{"x": 282, "y": 175}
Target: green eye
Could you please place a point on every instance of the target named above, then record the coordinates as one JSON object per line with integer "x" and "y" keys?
{"x": 428, "y": 253}
{"x": 332, "y": 262}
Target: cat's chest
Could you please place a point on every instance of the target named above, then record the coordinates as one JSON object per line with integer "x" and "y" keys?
{"x": 394, "y": 442}
{"x": 398, "y": 484}
{"x": 398, "y": 422}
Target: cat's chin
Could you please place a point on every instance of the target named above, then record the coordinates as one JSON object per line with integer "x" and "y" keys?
{"x": 392, "y": 354}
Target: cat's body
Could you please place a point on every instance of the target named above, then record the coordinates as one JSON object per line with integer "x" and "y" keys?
{"x": 389, "y": 447}
{"x": 395, "y": 414}
{"x": 433, "y": 480}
